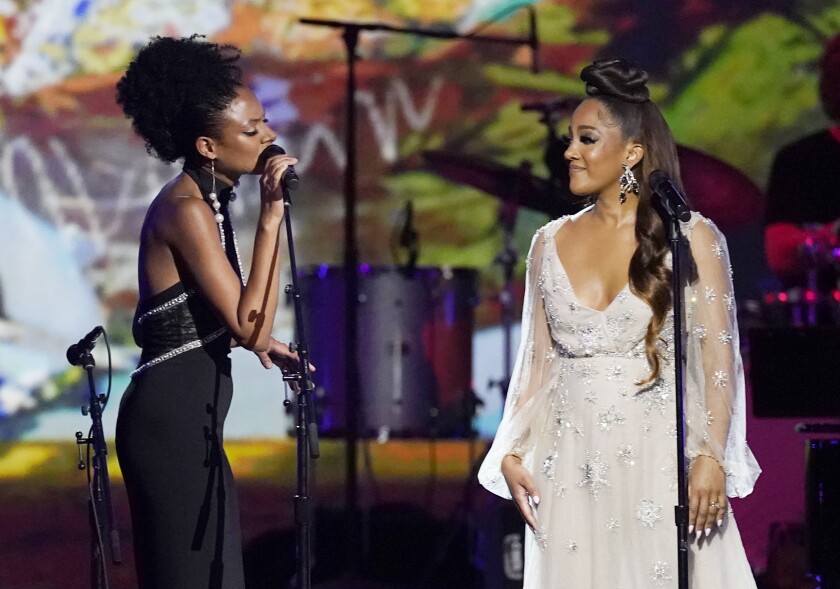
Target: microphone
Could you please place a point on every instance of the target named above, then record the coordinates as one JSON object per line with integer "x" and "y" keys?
{"x": 290, "y": 178}
{"x": 671, "y": 197}
{"x": 533, "y": 40}
{"x": 84, "y": 346}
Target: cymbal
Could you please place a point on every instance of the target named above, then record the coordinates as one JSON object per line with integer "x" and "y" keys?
{"x": 507, "y": 183}
{"x": 716, "y": 189}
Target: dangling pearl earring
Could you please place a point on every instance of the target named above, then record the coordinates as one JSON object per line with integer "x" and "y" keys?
{"x": 214, "y": 202}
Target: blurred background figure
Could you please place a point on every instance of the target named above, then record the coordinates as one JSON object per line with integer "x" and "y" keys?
{"x": 803, "y": 201}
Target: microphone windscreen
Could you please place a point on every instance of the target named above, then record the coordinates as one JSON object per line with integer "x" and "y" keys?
{"x": 273, "y": 150}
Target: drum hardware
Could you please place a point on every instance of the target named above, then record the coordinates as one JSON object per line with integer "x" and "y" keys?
{"x": 822, "y": 501}
{"x": 716, "y": 189}
{"x": 416, "y": 333}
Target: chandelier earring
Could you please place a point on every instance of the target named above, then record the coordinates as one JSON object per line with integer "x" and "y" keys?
{"x": 627, "y": 183}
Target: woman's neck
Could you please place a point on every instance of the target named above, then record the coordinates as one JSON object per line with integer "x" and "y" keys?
{"x": 610, "y": 211}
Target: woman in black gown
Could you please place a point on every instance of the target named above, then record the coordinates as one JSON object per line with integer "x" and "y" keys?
{"x": 185, "y": 98}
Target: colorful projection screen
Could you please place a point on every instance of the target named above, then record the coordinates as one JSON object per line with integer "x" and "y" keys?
{"x": 435, "y": 118}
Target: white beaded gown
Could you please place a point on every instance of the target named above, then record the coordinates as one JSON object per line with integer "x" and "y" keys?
{"x": 601, "y": 449}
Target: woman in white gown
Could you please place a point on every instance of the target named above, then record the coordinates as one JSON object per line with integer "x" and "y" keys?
{"x": 586, "y": 446}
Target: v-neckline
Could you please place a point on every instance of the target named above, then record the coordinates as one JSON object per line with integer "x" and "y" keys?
{"x": 569, "y": 280}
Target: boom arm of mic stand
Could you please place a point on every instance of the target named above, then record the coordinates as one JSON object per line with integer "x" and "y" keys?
{"x": 305, "y": 426}
{"x": 337, "y": 24}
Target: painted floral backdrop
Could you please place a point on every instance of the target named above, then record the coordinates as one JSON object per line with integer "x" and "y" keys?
{"x": 736, "y": 80}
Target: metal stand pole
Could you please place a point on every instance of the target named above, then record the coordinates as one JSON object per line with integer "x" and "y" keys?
{"x": 306, "y": 429}
{"x": 100, "y": 507}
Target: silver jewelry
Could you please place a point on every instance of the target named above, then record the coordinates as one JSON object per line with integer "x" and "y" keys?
{"x": 215, "y": 204}
{"x": 220, "y": 218}
{"x": 627, "y": 183}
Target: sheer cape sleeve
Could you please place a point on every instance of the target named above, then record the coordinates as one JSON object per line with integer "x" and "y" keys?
{"x": 715, "y": 407}
{"x": 530, "y": 373}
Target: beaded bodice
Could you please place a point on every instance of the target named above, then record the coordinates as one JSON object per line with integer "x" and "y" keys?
{"x": 580, "y": 331}
{"x": 173, "y": 322}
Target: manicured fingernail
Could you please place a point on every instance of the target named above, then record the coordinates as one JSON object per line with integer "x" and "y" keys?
{"x": 697, "y": 534}
{"x": 708, "y": 531}
{"x": 720, "y": 522}
{"x": 536, "y": 499}
{"x": 690, "y": 529}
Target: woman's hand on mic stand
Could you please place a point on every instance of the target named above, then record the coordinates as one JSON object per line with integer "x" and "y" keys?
{"x": 279, "y": 354}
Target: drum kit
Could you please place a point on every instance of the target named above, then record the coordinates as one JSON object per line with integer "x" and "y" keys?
{"x": 416, "y": 323}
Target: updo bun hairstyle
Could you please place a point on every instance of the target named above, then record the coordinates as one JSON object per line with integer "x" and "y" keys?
{"x": 175, "y": 90}
{"x": 621, "y": 87}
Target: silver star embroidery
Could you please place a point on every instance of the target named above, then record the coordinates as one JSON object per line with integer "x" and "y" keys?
{"x": 709, "y": 294}
{"x": 626, "y": 455}
{"x": 548, "y": 466}
{"x": 693, "y": 297}
{"x": 615, "y": 372}
{"x": 578, "y": 430}
{"x": 594, "y": 474}
{"x": 661, "y": 574}
{"x": 562, "y": 409}
{"x": 725, "y": 337}
{"x": 648, "y": 513}
{"x": 560, "y": 490}
{"x": 709, "y": 418}
{"x": 609, "y": 418}
{"x": 670, "y": 470}
{"x": 700, "y": 331}
{"x": 729, "y": 300}
{"x": 541, "y": 536}
{"x": 717, "y": 250}
{"x": 657, "y": 398}
{"x": 572, "y": 547}
{"x": 622, "y": 296}
{"x": 590, "y": 397}
{"x": 612, "y": 524}
{"x": 585, "y": 371}
{"x": 721, "y": 379}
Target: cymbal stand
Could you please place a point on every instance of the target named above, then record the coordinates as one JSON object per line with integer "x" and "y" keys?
{"x": 350, "y": 34}
{"x": 507, "y": 258}
{"x": 550, "y": 113}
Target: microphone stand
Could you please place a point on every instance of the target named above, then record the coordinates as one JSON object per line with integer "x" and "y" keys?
{"x": 306, "y": 429}
{"x": 100, "y": 508}
{"x": 677, "y": 242}
{"x": 350, "y": 35}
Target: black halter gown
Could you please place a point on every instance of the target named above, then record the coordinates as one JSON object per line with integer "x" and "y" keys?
{"x": 184, "y": 510}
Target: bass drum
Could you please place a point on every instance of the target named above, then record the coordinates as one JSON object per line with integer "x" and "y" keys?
{"x": 414, "y": 349}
